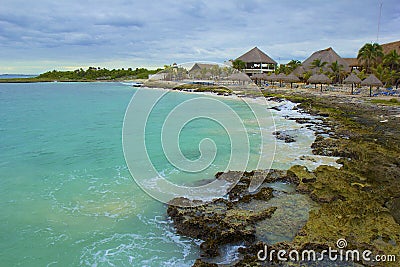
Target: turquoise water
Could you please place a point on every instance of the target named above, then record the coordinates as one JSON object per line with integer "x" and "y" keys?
{"x": 67, "y": 197}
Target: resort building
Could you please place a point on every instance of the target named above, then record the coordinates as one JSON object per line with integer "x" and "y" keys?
{"x": 353, "y": 63}
{"x": 391, "y": 46}
{"x": 257, "y": 62}
{"x": 202, "y": 70}
{"x": 327, "y": 55}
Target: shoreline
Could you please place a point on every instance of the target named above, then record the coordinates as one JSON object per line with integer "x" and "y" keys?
{"x": 358, "y": 202}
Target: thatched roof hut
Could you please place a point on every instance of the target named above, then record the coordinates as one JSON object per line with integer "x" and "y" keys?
{"x": 292, "y": 79}
{"x": 299, "y": 71}
{"x": 326, "y": 55}
{"x": 255, "y": 55}
{"x": 371, "y": 80}
{"x": 272, "y": 77}
{"x": 239, "y": 76}
{"x": 257, "y": 61}
{"x": 391, "y": 46}
{"x": 257, "y": 76}
{"x": 352, "y": 79}
{"x": 352, "y": 62}
{"x": 319, "y": 78}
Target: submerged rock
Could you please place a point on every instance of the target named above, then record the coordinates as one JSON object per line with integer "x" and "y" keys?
{"x": 287, "y": 136}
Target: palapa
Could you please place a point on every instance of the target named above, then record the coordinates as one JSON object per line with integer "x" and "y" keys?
{"x": 319, "y": 78}
{"x": 352, "y": 79}
{"x": 240, "y": 76}
{"x": 292, "y": 79}
{"x": 371, "y": 80}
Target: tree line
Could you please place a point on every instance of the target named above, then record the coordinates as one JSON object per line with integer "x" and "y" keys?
{"x": 97, "y": 73}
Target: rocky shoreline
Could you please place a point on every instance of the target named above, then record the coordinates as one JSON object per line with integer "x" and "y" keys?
{"x": 359, "y": 202}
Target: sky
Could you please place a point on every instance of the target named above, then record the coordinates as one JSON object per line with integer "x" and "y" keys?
{"x": 42, "y": 35}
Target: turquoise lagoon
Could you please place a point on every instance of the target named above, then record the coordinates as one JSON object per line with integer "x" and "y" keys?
{"x": 67, "y": 196}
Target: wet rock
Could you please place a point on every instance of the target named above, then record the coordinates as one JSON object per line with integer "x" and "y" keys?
{"x": 200, "y": 263}
{"x": 285, "y": 136}
{"x": 301, "y": 120}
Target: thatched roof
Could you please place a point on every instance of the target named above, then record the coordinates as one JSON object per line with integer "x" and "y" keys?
{"x": 272, "y": 77}
{"x": 391, "y": 46}
{"x": 239, "y": 76}
{"x": 257, "y": 76}
{"x": 352, "y": 78}
{"x": 319, "y": 78}
{"x": 372, "y": 80}
{"x": 199, "y": 66}
{"x": 300, "y": 70}
{"x": 281, "y": 77}
{"x": 326, "y": 55}
{"x": 292, "y": 78}
{"x": 352, "y": 62}
{"x": 255, "y": 55}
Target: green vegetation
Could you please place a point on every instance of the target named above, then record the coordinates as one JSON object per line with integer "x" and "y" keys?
{"x": 91, "y": 74}
{"x": 238, "y": 64}
{"x": 391, "y": 102}
{"x": 318, "y": 64}
{"x": 99, "y": 74}
{"x": 288, "y": 68}
{"x": 337, "y": 73}
{"x": 370, "y": 55}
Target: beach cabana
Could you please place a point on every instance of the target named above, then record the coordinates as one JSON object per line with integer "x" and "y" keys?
{"x": 272, "y": 78}
{"x": 257, "y": 77}
{"x": 319, "y": 78}
{"x": 292, "y": 79}
{"x": 240, "y": 77}
{"x": 281, "y": 77}
{"x": 352, "y": 79}
{"x": 371, "y": 80}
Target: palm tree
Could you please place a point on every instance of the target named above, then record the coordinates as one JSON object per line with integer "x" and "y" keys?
{"x": 382, "y": 73}
{"x": 337, "y": 70}
{"x": 238, "y": 64}
{"x": 292, "y": 65}
{"x": 392, "y": 60}
{"x": 370, "y": 55}
{"x": 317, "y": 63}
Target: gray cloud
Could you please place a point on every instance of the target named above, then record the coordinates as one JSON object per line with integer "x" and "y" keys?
{"x": 147, "y": 33}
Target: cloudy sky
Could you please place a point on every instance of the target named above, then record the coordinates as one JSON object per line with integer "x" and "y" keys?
{"x": 37, "y": 36}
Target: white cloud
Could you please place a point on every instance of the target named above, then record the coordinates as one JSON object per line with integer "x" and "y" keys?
{"x": 148, "y": 33}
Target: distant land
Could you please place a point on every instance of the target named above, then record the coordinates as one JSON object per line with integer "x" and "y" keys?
{"x": 15, "y": 76}
{"x": 81, "y": 75}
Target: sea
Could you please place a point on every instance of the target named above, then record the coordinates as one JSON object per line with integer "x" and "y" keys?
{"x": 67, "y": 196}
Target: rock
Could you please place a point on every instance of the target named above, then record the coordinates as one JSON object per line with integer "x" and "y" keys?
{"x": 394, "y": 208}
{"x": 200, "y": 263}
{"x": 285, "y": 136}
{"x": 222, "y": 221}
